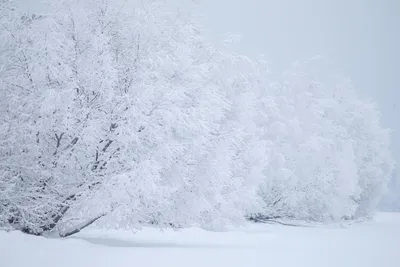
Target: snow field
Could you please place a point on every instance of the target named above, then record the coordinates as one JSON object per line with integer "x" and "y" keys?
{"x": 368, "y": 244}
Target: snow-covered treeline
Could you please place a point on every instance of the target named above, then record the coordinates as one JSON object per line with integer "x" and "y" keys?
{"x": 391, "y": 201}
{"x": 127, "y": 116}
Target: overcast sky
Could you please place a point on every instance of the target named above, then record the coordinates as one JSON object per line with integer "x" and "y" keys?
{"x": 362, "y": 37}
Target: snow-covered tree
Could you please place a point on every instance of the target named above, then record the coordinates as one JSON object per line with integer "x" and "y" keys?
{"x": 322, "y": 141}
{"x": 391, "y": 201}
{"x": 126, "y": 114}
{"x": 115, "y": 111}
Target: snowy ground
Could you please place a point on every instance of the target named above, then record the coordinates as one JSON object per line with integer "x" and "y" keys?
{"x": 375, "y": 243}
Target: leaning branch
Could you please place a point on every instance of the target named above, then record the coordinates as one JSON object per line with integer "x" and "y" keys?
{"x": 79, "y": 228}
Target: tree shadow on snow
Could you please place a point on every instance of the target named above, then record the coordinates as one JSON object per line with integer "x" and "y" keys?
{"x": 110, "y": 242}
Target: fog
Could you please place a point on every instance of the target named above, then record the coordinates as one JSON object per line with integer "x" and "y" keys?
{"x": 360, "y": 37}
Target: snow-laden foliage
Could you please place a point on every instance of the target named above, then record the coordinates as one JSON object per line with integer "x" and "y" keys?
{"x": 119, "y": 112}
{"x": 126, "y": 114}
{"x": 391, "y": 201}
{"x": 329, "y": 156}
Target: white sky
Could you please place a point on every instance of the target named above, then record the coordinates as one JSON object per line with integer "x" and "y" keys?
{"x": 362, "y": 37}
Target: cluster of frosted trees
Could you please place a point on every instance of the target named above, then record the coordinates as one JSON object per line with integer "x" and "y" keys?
{"x": 391, "y": 201}
{"x": 127, "y": 117}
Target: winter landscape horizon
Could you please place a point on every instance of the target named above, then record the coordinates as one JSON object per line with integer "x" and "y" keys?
{"x": 199, "y": 133}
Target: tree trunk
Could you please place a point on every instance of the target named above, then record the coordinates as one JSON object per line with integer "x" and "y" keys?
{"x": 82, "y": 226}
